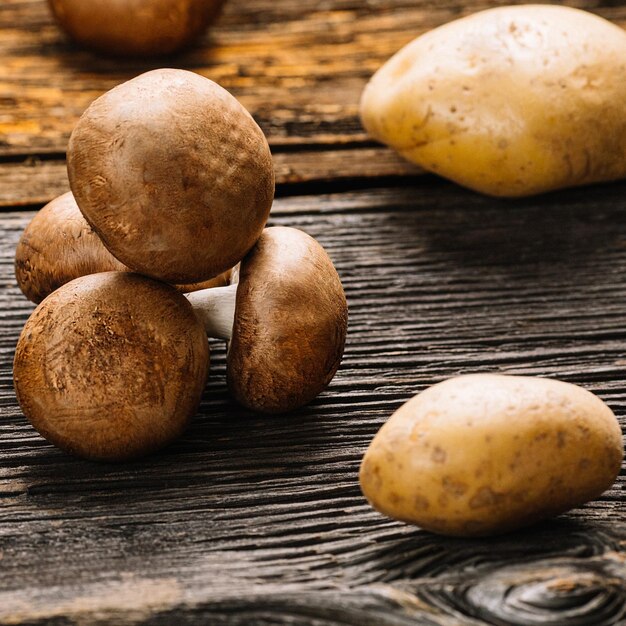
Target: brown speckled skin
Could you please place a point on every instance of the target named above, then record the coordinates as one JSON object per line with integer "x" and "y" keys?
{"x": 59, "y": 245}
{"x": 485, "y": 454}
{"x": 135, "y": 28}
{"x": 290, "y": 323}
{"x": 173, "y": 174}
{"x": 111, "y": 366}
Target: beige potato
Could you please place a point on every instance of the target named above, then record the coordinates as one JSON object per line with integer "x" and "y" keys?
{"x": 485, "y": 454}
{"x": 511, "y": 101}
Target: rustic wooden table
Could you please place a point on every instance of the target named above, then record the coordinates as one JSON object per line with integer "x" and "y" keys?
{"x": 256, "y": 520}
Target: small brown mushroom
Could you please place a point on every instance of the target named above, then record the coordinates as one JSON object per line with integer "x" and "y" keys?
{"x": 111, "y": 366}
{"x": 285, "y": 319}
{"x": 136, "y": 28}
{"x": 59, "y": 245}
{"x": 173, "y": 174}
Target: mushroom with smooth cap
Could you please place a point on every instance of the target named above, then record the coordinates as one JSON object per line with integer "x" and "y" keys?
{"x": 59, "y": 245}
{"x": 136, "y": 28}
{"x": 111, "y": 366}
{"x": 285, "y": 319}
{"x": 173, "y": 174}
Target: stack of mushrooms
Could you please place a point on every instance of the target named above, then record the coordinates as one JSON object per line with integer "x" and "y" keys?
{"x": 161, "y": 243}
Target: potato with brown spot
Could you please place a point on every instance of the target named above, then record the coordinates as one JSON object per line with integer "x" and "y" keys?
{"x": 135, "y": 28}
{"x": 111, "y": 366}
{"x": 511, "y": 101}
{"x": 59, "y": 245}
{"x": 173, "y": 174}
{"x": 565, "y": 442}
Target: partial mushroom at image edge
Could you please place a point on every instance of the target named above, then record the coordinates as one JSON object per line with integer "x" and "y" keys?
{"x": 135, "y": 28}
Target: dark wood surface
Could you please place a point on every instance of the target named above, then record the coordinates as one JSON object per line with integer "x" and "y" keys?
{"x": 257, "y": 520}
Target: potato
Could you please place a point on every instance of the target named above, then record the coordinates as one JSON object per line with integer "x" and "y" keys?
{"x": 511, "y": 101}
{"x": 485, "y": 454}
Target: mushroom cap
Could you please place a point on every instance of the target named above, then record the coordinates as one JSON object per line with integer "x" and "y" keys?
{"x": 290, "y": 325}
{"x": 111, "y": 366}
{"x": 173, "y": 174}
{"x": 59, "y": 245}
{"x": 136, "y": 28}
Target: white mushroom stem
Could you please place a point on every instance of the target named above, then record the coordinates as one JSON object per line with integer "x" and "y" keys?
{"x": 216, "y": 309}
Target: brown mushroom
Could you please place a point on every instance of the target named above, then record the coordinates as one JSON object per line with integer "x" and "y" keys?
{"x": 136, "y": 28}
{"x": 59, "y": 245}
{"x": 285, "y": 320}
{"x": 111, "y": 366}
{"x": 173, "y": 174}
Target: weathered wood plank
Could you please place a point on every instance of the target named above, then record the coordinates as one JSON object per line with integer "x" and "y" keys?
{"x": 260, "y": 520}
{"x": 35, "y": 181}
{"x": 298, "y": 67}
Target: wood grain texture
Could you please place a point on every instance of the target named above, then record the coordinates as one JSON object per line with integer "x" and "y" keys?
{"x": 257, "y": 520}
{"x": 299, "y": 70}
{"x": 35, "y": 181}
{"x": 298, "y": 67}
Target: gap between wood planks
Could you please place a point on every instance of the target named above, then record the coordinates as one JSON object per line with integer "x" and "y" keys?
{"x": 31, "y": 182}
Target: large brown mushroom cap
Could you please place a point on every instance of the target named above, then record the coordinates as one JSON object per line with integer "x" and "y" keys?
{"x": 173, "y": 174}
{"x": 59, "y": 245}
{"x": 290, "y": 323}
{"x": 111, "y": 366}
{"x": 135, "y": 27}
